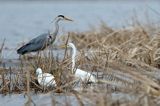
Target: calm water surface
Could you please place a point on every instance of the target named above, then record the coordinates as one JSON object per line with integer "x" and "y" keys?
{"x": 61, "y": 99}
{"x": 22, "y": 21}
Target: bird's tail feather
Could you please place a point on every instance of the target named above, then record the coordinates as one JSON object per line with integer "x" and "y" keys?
{"x": 22, "y": 50}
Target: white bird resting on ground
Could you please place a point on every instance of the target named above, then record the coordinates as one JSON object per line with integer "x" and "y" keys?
{"x": 45, "y": 79}
{"x": 83, "y": 75}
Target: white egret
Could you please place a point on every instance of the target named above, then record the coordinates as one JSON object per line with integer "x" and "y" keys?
{"x": 45, "y": 79}
{"x": 83, "y": 75}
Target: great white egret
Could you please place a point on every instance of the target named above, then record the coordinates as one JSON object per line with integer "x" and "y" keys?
{"x": 83, "y": 75}
{"x": 45, "y": 79}
{"x": 43, "y": 40}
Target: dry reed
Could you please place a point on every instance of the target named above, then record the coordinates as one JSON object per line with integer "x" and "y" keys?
{"x": 126, "y": 63}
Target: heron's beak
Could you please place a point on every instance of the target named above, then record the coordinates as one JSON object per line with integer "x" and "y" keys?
{"x": 68, "y": 19}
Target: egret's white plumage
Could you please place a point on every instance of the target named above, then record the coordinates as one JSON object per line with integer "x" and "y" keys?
{"x": 45, "y": 79}
{"x": 85, "y": 76}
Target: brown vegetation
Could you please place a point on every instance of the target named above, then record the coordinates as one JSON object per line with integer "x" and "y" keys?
{"x": 125, "y": 61}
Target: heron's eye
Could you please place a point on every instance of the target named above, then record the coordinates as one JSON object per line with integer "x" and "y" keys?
{"x": 49, "y": 37}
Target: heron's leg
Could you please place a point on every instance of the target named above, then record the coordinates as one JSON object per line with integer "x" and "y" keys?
{"x": 21, "y": 64}
{"x": 38, "y": 58}
{"x": 38, "y": 53}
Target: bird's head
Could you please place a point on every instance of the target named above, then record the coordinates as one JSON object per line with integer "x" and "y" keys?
{"x": 67, "y": 46}
{"x": 38, "y": 71}
{"x": 62, "y": 17}
{"x": 71, "y": 45}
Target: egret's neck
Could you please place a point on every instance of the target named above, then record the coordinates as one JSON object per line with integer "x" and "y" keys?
{"x": 73, "y": 57}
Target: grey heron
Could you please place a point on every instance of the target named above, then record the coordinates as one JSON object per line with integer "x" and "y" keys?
{"x": 43, "y": 40}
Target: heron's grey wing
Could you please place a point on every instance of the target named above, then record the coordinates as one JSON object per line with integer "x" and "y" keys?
{"x": 39, "y": 39}
{"x": 35, "y": 44}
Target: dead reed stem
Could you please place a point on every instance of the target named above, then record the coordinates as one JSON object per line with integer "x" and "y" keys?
{"x": 29, "y": 101}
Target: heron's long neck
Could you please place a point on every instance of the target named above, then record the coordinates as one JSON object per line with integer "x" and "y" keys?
{"x": 73, "y": 57}
{"x": 54, "y": 34}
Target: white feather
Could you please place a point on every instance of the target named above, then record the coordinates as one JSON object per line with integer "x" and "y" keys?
{"x": 45, "y": 79}
{"x": 83, "y": 75}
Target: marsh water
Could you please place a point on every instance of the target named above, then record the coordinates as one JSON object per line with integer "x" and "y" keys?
{"x": 21, "y": 21}
{"x": 58, "y": 99}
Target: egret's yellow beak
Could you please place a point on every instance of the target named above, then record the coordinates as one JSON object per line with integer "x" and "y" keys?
{"x": 68, "y": 19}
{"x": 63, "y": 46}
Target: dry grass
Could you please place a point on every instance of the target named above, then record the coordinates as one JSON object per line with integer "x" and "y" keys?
{"x": 128, "y": 58}
{"x": 125, "y": 61}
{"x": 1, "y": 49}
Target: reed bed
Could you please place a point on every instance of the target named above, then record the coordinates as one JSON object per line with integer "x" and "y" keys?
{"x": 1, "y": 49}
{"x": 125, "y": 61}
{"x": 128, "y": 59}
